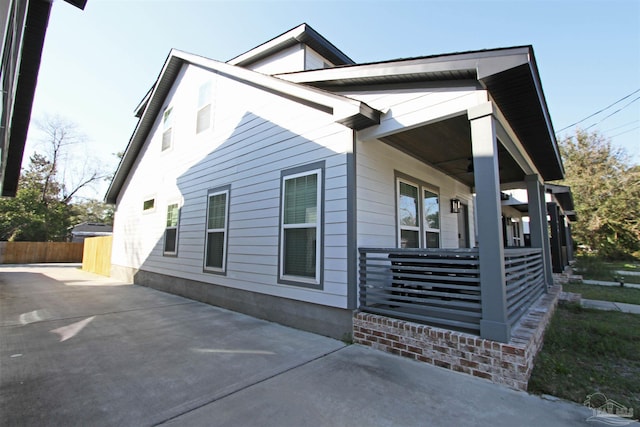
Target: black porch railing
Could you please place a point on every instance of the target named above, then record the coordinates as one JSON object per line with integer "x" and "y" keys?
{"x": 441, "y": 287}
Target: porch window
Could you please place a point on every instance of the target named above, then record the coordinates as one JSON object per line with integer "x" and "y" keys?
{"x": 431, "y": 217}
{"x": 217, "y": 224}
{"x": 300, "y": 227}
{"x": 167, "y": 128}
{"x": 418, "y": 217}
{"x": 203, "y": 119}
{"x": 171, "y": 230}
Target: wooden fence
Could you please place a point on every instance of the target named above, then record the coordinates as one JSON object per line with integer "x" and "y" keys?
{"x": 97, "y": 255}
{"x": 39, "y": 252}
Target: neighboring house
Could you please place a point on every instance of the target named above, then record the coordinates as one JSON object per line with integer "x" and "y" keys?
{"x": 23, "y": 24}
{"x": 292, "y": 184}
{"x": 90, "y": 229}
{"x": 560, "y": 214}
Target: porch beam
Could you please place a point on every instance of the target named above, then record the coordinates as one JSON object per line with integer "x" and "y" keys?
{"x": 484, "y": 145}
{"x": 538, "y": 223}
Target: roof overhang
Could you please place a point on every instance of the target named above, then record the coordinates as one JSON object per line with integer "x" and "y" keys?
{"x": 301, "y": 34}
{"x": 349, "y": 112}
{"x": 510, "y": 75}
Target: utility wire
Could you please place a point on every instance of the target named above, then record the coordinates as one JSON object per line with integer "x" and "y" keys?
{"x": 600, "y": 111}
{"x": 621, "y": 126}
{"x": 615, "y": 112}
{"x": 626, "y": 131}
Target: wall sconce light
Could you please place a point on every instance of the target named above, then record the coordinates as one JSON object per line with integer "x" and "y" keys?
{"x": 455, "y": 206}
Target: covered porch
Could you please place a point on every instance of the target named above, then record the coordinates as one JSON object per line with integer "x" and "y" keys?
{"x": 483, "y": 290}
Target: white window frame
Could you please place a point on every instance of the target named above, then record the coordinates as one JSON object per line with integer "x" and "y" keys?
{"x": 168, "y": 227}
{"x": 167, "y": 127}
{"x": 289, "y": 278}
{"x": 225, "y": 230}
{"x": 201, "y": 106}
{"x": 422, "y": 227}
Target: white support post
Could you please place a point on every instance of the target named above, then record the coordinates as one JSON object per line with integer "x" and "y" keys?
{"x": 494, "y": 324}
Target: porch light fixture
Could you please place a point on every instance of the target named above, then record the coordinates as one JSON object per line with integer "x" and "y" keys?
{"x": 455, "y": 206}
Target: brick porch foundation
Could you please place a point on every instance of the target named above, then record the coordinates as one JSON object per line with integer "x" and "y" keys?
{"x": 509, "y": 364}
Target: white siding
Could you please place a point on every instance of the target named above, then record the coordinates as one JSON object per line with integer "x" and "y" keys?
{"x": 255, "y": 135}
{"x": 377, "y": 164}
{"x": 408, "y": 108}
{"x": 313, "y": 60}
{"x": 284, "y": 61}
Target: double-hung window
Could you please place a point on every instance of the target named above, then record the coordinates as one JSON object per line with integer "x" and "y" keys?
{"x": 217, "y": 225}
{"x": 171, "y": 230}
{"x": 167, "y": 128}
{"x": 203, "y": 119}
{"x": 418, "y": 215}
{"x": 300, "y": 233}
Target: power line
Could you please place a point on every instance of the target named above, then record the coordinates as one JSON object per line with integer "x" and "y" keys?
{"x": 615, "y": 112}
{"x": 626, "y": 131}
{"x": 621, "y": 126}
{"x": 600, "y": 111}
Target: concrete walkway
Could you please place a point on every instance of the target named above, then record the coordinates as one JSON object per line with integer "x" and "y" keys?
{"x": 611, "y": 306}
{"x": 80, "y": 349}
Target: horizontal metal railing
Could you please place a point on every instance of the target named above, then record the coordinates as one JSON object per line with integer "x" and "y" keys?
{"x": 524, "y": 271}
{"x": 435, "y": 286}
{"x": 441, "y": 287}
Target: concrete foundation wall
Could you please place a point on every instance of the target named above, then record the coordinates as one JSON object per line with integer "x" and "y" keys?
{"x": 328, "y": 321}
{"x": 510, "y": 364}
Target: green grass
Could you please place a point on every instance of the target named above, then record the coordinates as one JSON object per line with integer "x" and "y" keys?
{"x": 591, "y": 267}
{"x": 604, "y": 293}
{"x": 587, "y": 351}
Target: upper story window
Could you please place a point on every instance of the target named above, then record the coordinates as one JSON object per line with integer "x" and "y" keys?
{"x": 149, "y": 205}
{"x": 418, "y": 215}
{"x": 167, "y": 128}
{"x": 203, "y": 119}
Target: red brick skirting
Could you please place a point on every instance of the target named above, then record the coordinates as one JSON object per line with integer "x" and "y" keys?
{"x": 510, "y": 364}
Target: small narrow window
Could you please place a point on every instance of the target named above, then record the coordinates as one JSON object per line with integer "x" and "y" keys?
{"x": 203, "y": 120}
{"x": 408, "y": 216}
{"x": 216, "y": 239}
{"x": 167, "y": 126}
{"x": 171, "y": 230}
{"x": 431, "y": 213}
{"x": 300, "y": 228}
{"x": 148, "y": 205}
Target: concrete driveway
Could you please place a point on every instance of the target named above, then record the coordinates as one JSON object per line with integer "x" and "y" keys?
{"x": 80, "y": 349}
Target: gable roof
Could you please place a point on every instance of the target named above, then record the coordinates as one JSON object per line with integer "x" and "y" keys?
{"x": 301, "y": 34}
{"x": 509, "y": 74}
{"x": 349, "y": 112}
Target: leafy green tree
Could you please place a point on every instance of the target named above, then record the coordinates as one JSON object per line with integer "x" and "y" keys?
{"x": 606, "y": 192}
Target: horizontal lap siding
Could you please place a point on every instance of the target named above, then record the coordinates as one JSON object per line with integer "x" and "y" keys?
{"x": 377, "y": 163}
{"x": 255, "y": 135}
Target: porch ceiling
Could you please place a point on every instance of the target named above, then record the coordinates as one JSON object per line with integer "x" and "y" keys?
{"x": 446, "y": 145}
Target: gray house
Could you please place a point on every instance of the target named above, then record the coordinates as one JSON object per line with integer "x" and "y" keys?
{"x": 293, "y": 184}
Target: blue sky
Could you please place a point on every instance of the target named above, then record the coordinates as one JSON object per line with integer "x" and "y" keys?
{"x": 98, "y": 63}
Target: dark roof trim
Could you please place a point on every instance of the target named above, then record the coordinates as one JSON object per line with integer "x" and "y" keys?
{"x": 347, "y": 111}
{"x": 510, "y": 75}
{"x": 564, "y": 196}
{"x": 301, "y": 34}
{"x": 80, "y": 4}
{"x": 33, "y": 42}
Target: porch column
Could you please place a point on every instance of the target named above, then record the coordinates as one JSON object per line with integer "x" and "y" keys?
{"x": 484, "y": 145}
{"x": 538, "y": 223}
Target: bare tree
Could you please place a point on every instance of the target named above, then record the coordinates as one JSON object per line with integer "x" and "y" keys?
{"x": 70, "y": 163}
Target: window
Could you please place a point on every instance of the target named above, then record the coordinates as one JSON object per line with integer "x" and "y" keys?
{"x": 203, "y": 119}
{"x": 431, "y": 216}
{"x": 216, "y": 239}
{"x": 171, "y": 230}
{"x": 418, "y": 217}
{"x": 148, "y": 205}
{"x": 300, "y": 233}
{"x": 167, "y": 126}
